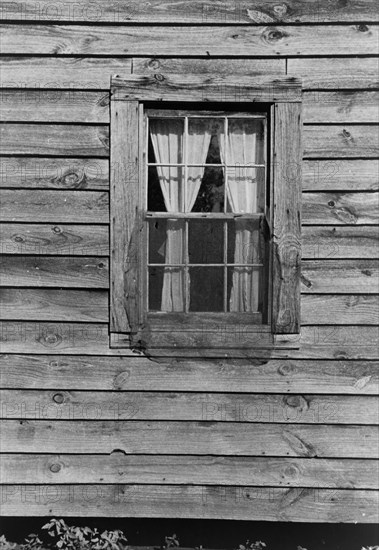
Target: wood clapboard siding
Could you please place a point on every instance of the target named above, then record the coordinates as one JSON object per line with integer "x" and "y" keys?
{"x": 83, "y": 73}
{"x": 341, "y": 141}
{"x": 208, "y": 438}
{"x": 54, "y": 206}
{"x": 192, "y": 470}
{"x": 335, "y": 242}
{"x": 54, "y": 106}
{"x": 234, "y": 41}
{"x": 203, "y": 502}
{"x": 340, "y": 208}
{"x": 54, "y": 139}
{"x": 207, "y": 407}
{"x": 204, "y": 425}
{"x": 316, "y": 342}
{"x": 341, "y": 175}
{"x": 45, "y": 239}
{"x": 54, "y": 305}
{"x": 340, "y": 276}
{"x": 229, "y": 375}
{"x": 199, "y": 11}
{"x": 50, "y": 173}
{"x": 85, "y": 272}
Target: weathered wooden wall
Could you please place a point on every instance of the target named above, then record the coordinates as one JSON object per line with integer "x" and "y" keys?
{"x": 93, "y": 431}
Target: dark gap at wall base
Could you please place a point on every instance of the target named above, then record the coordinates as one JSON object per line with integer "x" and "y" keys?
{"x": 215, "y": 533}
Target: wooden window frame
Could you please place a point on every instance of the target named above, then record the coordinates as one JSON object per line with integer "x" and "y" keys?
{"x": 128, "y": 322}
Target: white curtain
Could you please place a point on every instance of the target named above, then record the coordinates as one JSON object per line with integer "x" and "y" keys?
{"x": 244, "y": 146}
{"x": 167, "y": 139}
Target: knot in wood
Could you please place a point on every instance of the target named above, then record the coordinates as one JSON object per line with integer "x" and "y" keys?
{"x": 291, "y": 471}
{"x": 56, "y": 229}
{"x": 53, "y": 364}
{"x": 101, "y": 265}
{"x": 58, "y": 398}
{"x": 331, "y": 203}
{"x": 51, "y": 340}
{"x": 55, "y": 468}
{"x": 280, "y": 10}
{"x": 18, "y": 238}
{"x": 293, "y": 401}
{"x": 159, "y": 77}
{"x": 273, "y": 35}
{"x": 154, "y": 64}
{"x": 362, "y": 28}
{"x": 346, "y": 134}
{"x": 286, "y": 369}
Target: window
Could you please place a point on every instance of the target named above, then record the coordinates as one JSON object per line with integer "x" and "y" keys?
{"x": 205, "y": 208}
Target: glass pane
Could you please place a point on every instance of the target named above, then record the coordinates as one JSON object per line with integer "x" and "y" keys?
{"x": 165, "y": 189}
{"x": 245, "y": 141}
{"x": 244, "y": 289}
{"x": 205, "y": 241}
{"x": 157, "y": 241}
{"x": 245, "y": 244}
{"x": 166, "y": 140}
{"x": 210, "y": 196}
{"x": 166, "y": 289}
{"x": 206, "y": 289}
{"x": 205, "y": 137}
{"x": 245, "y": 190}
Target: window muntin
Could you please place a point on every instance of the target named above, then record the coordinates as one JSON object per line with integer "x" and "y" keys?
{"x": 206, "y": 204}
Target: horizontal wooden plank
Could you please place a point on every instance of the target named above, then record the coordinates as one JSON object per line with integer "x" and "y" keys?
{"x": 198, "y": 11}
{"x": 340, "y": 208}
{"x": 54, "y": 139}
{"x": 86, "y": 272}
{"x": 335, "y": 74}
{"x": 54, "y": 206}
{"x": 193, "y": 470}
{"x": 209, "y": 407}
{"x": 54, "y": 305}
{"x": 340, "y": 242}
{"x": 352, "y": 309}
{"x": 54, "y": 106}
{"x": 50, "y": 173}
{"x": 340, "y": 276}
{"x": 209, "y": 438}
{"x": 189, "y": 40}
{"x": 61, "y": 73}
{"x": 44, "y": 239}
{"x": 341, "y": 141}
{"x": 203, "y": 502}
{"x": 344, "y": 107}
{"x": 224, "y": 375}
{"x": 213, "y": 88}
{"x": 340, "y": 175}
{"x": 316, "y": 342}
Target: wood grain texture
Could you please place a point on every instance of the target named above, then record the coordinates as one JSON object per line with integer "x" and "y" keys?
{"x": 54, "y": 305}
{"x": 200, "y": 88}
{"x": 343, "y": 107}
{"x": 49, "y": 173}
{"x": 340, "y": 276}
{"x": 54, "y": 139}
{"x": 70, "y": 73}
{"x": 340, "y": 208}
{"x": 353, "y": 309}
{"x": 286, "y": 241}
{"x": 204, "y": 438}
{"x": 54, "y": 206}
{"x": 54, "y": 106}
{"x": 125, "y": 223}
{"x": 341, "y": 175}
{"x": 171, "y": 11}
{"x": 86, "y": 272}
{"x": 340, "y": 242}
{"x": 260, "y": 504}
{"x": 341, "y": 141}
{"x": 44, "y": 239}
{"x": 233, "y": 41}
{"x": 50, "y": 372}
{"x": 192, "y": 470}
{"x": 335, "y": 74}
{"x": 316, "y": 342}
{"x": 208, "y": 407}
